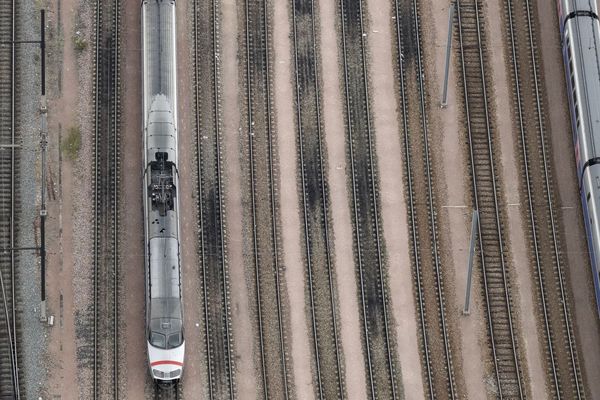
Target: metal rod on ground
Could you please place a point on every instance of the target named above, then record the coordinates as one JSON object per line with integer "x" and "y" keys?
{"x": 43, "y": 145}
{"x": 43, "y": 49}
{"x": 43, "y": 213}
{"x": 448, "y": 47}
{"x": 474, "y": 225}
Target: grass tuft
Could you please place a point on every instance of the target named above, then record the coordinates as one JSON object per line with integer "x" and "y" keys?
{"x": 72, "y": 143}
{"x": 80, "y": 43}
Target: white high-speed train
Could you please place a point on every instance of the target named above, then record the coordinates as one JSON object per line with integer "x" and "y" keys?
{"x": 580, "y": 36}
{"x": 164, "y": 308}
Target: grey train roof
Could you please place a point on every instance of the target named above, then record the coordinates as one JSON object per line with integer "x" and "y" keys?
{"x": 160, "y": 76}
{"x": 161, "y": 179}
{"x": 159, "y": 47}
{"x": 164, "y": 278}
{"x": 161, "y": 133}
{"x": 581, "y": 35}
{"x": 569, "y": 6}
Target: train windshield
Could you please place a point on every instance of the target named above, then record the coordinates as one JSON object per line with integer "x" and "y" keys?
{"x": 166, "y": 329}
{"x": 157, "y": 340}
{"x": 175, "y": 340}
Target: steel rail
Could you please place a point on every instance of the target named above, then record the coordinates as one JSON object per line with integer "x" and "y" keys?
{"x": 476, "y": 193}
{"x": 324, "y": 203}
{"x": 115, "y": 206}
{"x": 168, "y": 392}
{"x": 272, "y": 197}
{"x": 253, "y": 202}
{"x": 106, "y": 173}
{"x": 433, "y": 228}
{"x": 13, "y": 368}
{"x": 438, "y": 271}
{"x": 325, "y": 219}
{"x": 9, "y": 299}
{"x": 520, "y": 108}
{"x": 274, "y": 236}
{"x": 355, "y": 206}
{"x": 12, "y": 198}
{"x": 536, "y": 249}
{"x": 411, "y": 201}
{"x": 221, "y": 213}
{"x": 374, "y": 199}
{"x": 8, "y": 15}
{"x": 217, "y": 119}
{"x": 209, "y": 372}
{"x": 375, "y": 206}
{"x": 561, "y": 279}
{"x": 96, "y": 184}
{"x": 305, "y": 208}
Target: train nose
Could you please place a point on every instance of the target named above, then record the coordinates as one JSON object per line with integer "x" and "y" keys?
{"x": 166, "y": 365}
{"x": 162, "y": 373}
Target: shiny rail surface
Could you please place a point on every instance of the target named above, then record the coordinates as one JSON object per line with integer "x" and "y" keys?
{"x": 263, "y": 198}
{"x": 382, "y": 374}
{"x": 9, "y": 213}
{"x": 486, "y": 192}
{"x": 562, "y": 365}
{"x": 316, "y": 218}
{"x": 211, "y": 203}
{"x": 106, "y": 173}
{"x": 418, "y": 173}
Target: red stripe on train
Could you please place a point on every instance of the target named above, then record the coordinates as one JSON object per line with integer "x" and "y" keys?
{"x": 166, "y": 362}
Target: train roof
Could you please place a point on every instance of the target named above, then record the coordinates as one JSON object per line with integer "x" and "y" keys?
{"x": 581, "y": 37}
{"x": 570, "y": 6}
{"x": 164, "y": 267}
{"x": 160, "y": 67}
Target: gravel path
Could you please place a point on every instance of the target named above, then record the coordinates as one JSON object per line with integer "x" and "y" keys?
{"x": 69, "y": 276}
{"x": 34, "y": 335}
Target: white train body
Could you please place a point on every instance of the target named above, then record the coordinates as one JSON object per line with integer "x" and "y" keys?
{"x": 164, "y": 308}
{"x": 580, "y": 37}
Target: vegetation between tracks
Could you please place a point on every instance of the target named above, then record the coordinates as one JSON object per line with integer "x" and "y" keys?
{"x": 71, "y": 144}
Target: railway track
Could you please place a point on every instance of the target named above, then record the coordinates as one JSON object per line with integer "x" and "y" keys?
{"x": 211, "y": 211}
{"x": 168, "y": 392}
{"x": 502, "y": 333}
{"x": 10, "y": 384}
{"x": 106, "y": 201}
{"x": 418, "y": 171}
{"x": 563, "y": 372}
{"x": 322, "y": 300}
{"x": 275, "y": 370}
{"x": 379, "y": 346}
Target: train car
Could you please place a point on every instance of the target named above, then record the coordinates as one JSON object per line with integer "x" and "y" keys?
{"x": 164, "y": 308}
{"x": 580, "y": 41}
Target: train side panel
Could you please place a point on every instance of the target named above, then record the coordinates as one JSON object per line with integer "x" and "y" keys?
{"x": 590, "y": 198}
{"x": 580, "y": 36}
{"x": 164, "y": 306}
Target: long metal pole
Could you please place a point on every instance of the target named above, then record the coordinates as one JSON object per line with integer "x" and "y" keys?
{"x": 448, "y": 47}
{"x": 43, "y": 145}
{"x": 43, "y": 49}
{"x": 474, "y": 225}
